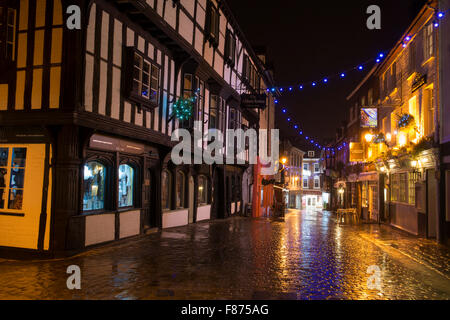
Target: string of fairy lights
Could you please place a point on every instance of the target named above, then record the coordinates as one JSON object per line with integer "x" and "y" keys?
{"x": 439, "y": 15}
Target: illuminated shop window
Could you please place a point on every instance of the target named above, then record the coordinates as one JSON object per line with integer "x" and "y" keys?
{"x": 202, "y": 190}
{"x": 12, "y": 177}
{"x": 126, "y": 182}
{"x": 94, "y": 186}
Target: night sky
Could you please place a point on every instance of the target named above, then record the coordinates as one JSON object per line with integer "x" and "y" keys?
{"x": 309, "y": 40}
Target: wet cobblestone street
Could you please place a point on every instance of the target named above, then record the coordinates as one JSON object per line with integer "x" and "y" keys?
{"x": 306, "y": 256}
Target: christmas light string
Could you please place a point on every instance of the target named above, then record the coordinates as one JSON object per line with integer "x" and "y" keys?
{"x": 438, "y": 16}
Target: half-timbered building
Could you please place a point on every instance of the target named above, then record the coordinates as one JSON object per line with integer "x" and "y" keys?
{"x": 86, "y": 118}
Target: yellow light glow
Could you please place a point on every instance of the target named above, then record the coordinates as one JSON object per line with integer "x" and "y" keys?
{"x": 283, "y": 160}
{"x": 368, "y": 137}
{"x": 414, "y": 163}
{"x": 402, "y": 139}
{"x": 382, "y": 169}
{"x": 388, "y": 137}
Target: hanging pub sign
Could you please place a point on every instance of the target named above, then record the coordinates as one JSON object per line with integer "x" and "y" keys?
{"x": 356, "y": 152}
{"x": 253, "y": 101}
{"x": 418, "y": 82}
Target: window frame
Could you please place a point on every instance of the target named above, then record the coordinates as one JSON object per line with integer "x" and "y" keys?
{"x": 8, "y": 177}
{"x": 133, "y": 186}
{"x": 230, "y": 48}
{"x": 167, "y": 188}
{"x": 204, "y": 192}
{"x": 106, "y": 189}
{"x": 129, "y": 77}
{"x": 212, "y": 24}
{"x": 6, "y": 8}
{"x": 182, "y": 191}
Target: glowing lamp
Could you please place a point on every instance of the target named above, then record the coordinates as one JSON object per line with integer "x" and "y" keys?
{"x": 402, "y": 139}
{"x": 414, "y": 163}
{"x": 283, "y": 160}
{"x": 388, "y": 137}
{"x": 368, "y": 137}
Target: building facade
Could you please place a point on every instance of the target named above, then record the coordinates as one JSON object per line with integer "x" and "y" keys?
{"x": 88, "y": 115}
{"x": 393, "y": 171}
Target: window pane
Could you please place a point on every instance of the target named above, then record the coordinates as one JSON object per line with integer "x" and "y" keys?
{"x": 126, "y": 177}
{"x": 17, "y": 178}
{"x": 3, "y": 177}
{"x": 180, "y": 190}
{"x": 3, "y": 157}
{"x": 165, "y": 190}
{"x": 18, "y": 157}
{"x": 94, "y": 186}
{"x": 2, "y": 198}
{"x": 137, "y": 60}
{"x": 15, "y": 199}
{"x": 201, "y": 190}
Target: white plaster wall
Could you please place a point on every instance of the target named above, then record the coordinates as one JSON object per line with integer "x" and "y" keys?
{"x": 129, "y": 223}
{"x": 204, "y": 213}
{"x": 176, "y": 218}
{"x": 99, "y": 228}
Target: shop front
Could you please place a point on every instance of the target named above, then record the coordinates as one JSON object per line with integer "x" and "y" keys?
{"x": 25, "y": 189}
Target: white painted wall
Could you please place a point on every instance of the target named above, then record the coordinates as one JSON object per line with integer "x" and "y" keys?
{"x": 99, "y": 228}
{"x": 204, "y": 213}
{"x": 175, "y": 218}
{"x": 129, "y": 223}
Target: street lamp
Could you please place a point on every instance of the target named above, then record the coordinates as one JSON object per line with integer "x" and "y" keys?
{"x": 283, "y": 160}
{"x": 368, "y": 137}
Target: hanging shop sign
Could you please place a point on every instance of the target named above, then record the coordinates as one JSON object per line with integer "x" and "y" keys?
{"x": 356, "y": 152}
{"x": 369, "y": 117}
{"x": 253, "y": 101}
{"x": 418, "y": 82}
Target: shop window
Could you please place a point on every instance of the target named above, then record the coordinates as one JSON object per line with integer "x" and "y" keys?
{"x": 94, "y": 186}
{"x": 126, "y": 186}
{"x": 403, "y": 187}
{"x": 202, "y": 190}
{"x": 411, "y": 188}
{"x": 12, "y": 177}
{"x": 180, "y": 189}
{"x": 143, "y": 80}
{"x": 165, "y": 190}
{"x": 394, "y": 187}
{"x": 364, "y": 197}
{"x": 7, "y": 32}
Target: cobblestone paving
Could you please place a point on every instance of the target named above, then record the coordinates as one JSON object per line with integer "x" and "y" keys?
{"x": 308, "y": 255}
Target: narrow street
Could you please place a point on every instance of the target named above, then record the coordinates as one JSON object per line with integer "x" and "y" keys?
{"x": 307, "y": 256}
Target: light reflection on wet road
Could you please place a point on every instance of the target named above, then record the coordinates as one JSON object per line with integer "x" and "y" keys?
{"x": 306, "y": 256}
